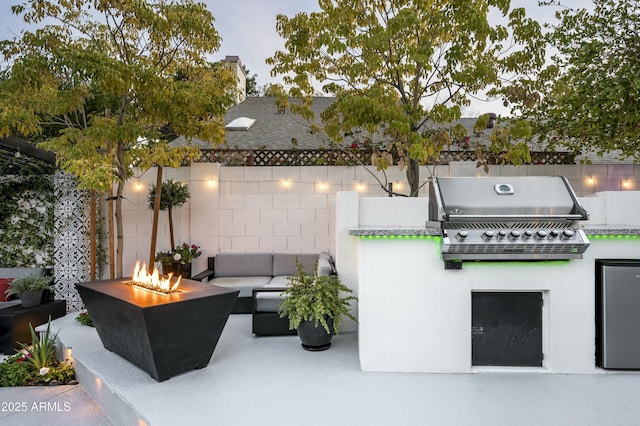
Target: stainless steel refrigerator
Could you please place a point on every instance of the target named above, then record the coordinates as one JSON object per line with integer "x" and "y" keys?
{"x": 618, "y": 314}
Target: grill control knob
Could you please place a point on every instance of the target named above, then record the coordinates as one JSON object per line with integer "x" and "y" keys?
{"x": 462, "y": 235}
{"x": 488, "y": 234}
{"x": 554, "y": 233}
{"x": 514, "y": 234}
{"x": 567, "y": 234}
{"x": 502, "y": 234}
{"x": 527, "y": 234}
{"x": 541, "y": 234}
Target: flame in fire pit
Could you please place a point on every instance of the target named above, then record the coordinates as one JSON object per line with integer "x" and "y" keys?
{"x": 154, "y": 282}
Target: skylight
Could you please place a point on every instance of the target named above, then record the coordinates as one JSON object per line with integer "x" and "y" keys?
{"x": 240, "y": 123}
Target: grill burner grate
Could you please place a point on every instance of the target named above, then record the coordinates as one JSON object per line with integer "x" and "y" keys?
{"x": 507, "y": 225}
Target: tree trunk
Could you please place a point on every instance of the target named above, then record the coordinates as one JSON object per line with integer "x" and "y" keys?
{"x": 413, "y": 176}
{"x": 173, "y": 243}
{"x": 156, "y": 215}
{"x": 119, "y": 230}
{"x": 92, "y": 236}
{"x": 112, "y": 264}
{"x": 107, "y": 114}
{"x": 122, "y": 179}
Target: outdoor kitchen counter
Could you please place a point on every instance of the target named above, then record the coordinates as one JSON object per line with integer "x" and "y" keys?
{"x": 414, "y": 315}
{"x": 393, "y": 231}
{"x": 369, "y": 231}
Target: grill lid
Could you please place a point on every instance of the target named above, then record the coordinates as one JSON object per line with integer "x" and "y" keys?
{"x": 510, "y": 198}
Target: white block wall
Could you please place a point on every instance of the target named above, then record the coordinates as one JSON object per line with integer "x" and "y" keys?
{"x": 288, "y": 209}
{"x": 243, "y": 209}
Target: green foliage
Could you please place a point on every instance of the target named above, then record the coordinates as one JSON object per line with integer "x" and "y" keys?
{"x": 252, "y": 85}
{"x": 590, "y": 93}
{"x": 14, "y": 371}
{"x": 36, "y": 364}
{"x": 172, "y": 194}
{"x": 26, "y": 221}
{"x": 17, "y": 371}
{"x": 401, "y": 70}
{"x": 100, "y": 82}
{"x": 85, "y": 319}
{"x": 281, "y": 98}
{"x": 42, "y": 351}
{"x": 183, "y": 254}
{"x": 311, "y": 297}
{"x": 28, "y": 283}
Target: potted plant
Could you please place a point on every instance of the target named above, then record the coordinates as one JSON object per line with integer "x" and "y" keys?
{"x": 179, "y": 259}
{"x": 29, "y": 288}
{"x": 315, "y": 305}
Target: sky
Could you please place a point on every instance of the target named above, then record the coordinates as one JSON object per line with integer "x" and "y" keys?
{"x": 247, "y": 28}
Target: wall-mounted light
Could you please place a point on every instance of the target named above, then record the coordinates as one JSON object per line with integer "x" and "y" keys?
{"x": 68, "y": 354}
{"x": 591, "y": 180}
{"x": 212, "y": 183}
{"x": 139, "y": 186}
{"x": 285, "y": 183}
{"x": 627, "y": 183}
{"x": 323, "y": 186}
{"x": 360, "y": 187}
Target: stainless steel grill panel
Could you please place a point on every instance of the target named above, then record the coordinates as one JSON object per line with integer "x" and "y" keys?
{"x": 507, "y": 218}
{"x": 514, "y": 248}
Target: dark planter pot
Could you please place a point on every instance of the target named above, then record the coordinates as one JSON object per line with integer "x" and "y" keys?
{"x": 315, "y": 338}
{"x": 165, "y": 335}
{"x": 177, "y": 269}
{"x": 29, "y": 299}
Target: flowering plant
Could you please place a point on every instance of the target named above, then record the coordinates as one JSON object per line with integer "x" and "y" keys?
{"x": 182, "y": 254}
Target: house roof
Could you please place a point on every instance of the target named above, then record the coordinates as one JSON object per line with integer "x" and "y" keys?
{"x": 274, "y": 130}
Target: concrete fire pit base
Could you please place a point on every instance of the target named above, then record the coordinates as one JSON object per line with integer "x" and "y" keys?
{"x": 164, "y": 335}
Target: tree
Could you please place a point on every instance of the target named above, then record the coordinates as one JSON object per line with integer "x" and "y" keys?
{"x": 252, "y": 85}
{"x": 402, "y": 69}
{"x": 590, "y": 94}
{"x": 174, "y": 194}
{"x": 111, "y": 78}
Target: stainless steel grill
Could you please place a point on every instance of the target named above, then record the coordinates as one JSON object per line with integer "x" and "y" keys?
{"x": 507, "y": 218}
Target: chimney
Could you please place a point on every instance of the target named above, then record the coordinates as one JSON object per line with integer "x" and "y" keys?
{"x": 236, "y": 66}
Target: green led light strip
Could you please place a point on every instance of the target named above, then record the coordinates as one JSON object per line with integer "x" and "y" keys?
{"x": 614, "y": 237}
{"x": 401, "y": 237}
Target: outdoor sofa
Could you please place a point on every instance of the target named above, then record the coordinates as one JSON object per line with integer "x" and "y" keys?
{"x": 261, "y": 278}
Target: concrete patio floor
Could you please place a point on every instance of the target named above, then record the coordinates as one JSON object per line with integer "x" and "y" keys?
{"x": 273, "y": 381}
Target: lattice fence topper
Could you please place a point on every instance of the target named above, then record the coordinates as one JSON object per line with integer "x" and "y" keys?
{"x": 327, "y": 157}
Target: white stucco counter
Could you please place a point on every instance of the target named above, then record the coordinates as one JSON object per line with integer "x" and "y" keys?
{"x": 415, "y": 316}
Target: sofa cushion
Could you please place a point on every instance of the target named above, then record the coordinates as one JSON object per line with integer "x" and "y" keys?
{"x": 4, "y": 286}
{"x": 243, "y": 264}
{"x": 285, "y": 263}
{"x": 325, "y": 264}
{"x": 245, "y": 284}
{"x": 270, "y": 301}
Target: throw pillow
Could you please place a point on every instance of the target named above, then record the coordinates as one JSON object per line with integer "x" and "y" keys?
{"x": 4, "y": 286}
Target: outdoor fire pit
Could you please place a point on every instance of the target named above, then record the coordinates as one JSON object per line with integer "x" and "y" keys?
{"x": 165, "y": 334}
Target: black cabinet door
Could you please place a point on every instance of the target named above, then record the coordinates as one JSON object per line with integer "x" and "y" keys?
{"x": 506, "y": 329}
